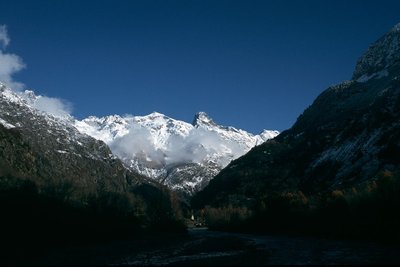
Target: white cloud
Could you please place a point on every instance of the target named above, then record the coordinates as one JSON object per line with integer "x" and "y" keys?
{"x": 54, "y": 106}
{"x": 9, "y": 63}
{"x": 195, "y": 147}
{"x": 4, "y": 39}
{"x": 50, "y": 105}
{"x": 137, "y": 142}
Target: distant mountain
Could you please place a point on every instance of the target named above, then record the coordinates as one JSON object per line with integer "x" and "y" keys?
{"x": 180, "y": 155}
{"x": 345, "y": 138}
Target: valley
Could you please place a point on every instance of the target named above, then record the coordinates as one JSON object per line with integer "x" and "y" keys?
{"x": 151, "y": 190}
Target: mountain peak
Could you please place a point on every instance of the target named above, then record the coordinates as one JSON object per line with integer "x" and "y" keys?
{"x": 2, "y": 87}
{"x": 396, "y": 28}
{"x": 29, "y": 96}
{"x": 268, "y": 134}
{"x": 380, "y": 55}
{"x": 202, "y": 118}
{"x": 156, "y": 114}
{"x": 113, "y": 119}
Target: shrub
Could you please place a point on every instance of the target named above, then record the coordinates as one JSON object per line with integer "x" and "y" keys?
{"x": 367, "y": 211}
{"x": 226, "y": 218}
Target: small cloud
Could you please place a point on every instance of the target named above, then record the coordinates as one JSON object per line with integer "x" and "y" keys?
{"x": 54, "y": 106}
{"x": 9, "y": 63}
{"x": 4, "y": 39}
{"x": 138, "y": 142}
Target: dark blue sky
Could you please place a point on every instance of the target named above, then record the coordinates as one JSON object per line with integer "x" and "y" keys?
{"x": 249, "y": 64}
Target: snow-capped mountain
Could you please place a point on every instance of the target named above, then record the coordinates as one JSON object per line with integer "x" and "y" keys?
{"x": 181, "y": 155}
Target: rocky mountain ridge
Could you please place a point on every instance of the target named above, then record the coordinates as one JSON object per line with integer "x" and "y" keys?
{"x": 347, "y": 136}
{"x": 183, "y": 156}
{"x": 180, "y": 155}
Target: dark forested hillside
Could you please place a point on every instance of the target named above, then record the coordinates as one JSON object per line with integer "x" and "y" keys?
{"x": 347, "y": 139}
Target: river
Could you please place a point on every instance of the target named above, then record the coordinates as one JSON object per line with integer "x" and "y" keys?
{"x": 203, "y": 247}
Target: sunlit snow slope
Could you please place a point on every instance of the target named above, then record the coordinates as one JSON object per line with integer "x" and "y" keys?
{"x": 181, "y": 155}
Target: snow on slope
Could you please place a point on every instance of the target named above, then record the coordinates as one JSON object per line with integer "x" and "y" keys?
{"x": 160, "y": 147}
{"x": 161, "y": 139}
{"x": 49, "y": 132}
{"x": 6, "y": 124}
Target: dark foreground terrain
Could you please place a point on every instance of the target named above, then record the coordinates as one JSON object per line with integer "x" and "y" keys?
{"x": 203, "y": 247}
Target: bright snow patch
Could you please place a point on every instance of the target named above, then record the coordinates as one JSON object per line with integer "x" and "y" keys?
{"x": 6, "y": 124}
{"x": 61, "y": 151}
{"x": 376, "y": 75}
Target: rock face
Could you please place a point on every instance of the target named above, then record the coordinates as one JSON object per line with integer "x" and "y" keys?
{"x": 349, "y": 134}
{"x": 382, "y": 54}
{"x": 183, "y": 156}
